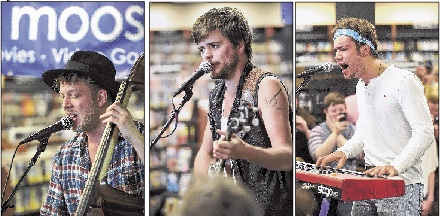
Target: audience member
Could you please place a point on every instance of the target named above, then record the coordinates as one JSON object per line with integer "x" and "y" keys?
{"x": 351, "y": 109}
{"x": 433, "y": 109}
{"x": 429, "y": 78}
{"x": 429, "y": 165}
{"x": 304, "y": 120}
{"x": 331, "y": 134}
{"x": 305, "y": 204}
{"x": 422, "y": 68}
{"x": 218, "y": 197}
{"x": 430, "y": 162}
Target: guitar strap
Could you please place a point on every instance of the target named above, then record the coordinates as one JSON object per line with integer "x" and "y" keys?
{"x": 249, "y": 94}
{"x": 216, "y": 101}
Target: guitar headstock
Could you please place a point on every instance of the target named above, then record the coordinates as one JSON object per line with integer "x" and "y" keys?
{"x": 244, "y": 121}
{"x": 135, "y": 81}
{"x": 137, "y": 74}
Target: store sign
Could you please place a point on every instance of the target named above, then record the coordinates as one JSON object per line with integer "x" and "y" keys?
{"x": 37, "y": 36}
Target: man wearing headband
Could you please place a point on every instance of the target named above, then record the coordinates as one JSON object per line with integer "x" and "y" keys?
{"x": 394, "y": 127}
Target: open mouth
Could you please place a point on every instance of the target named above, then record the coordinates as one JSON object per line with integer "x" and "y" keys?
{"x": 73, "y": 116}
{"x": 344, "y": 66}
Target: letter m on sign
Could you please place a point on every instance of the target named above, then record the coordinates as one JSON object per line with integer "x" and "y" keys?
{"x": 34, "y": 18}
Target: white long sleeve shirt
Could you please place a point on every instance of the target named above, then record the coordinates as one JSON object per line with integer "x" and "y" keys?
{"x": 394, "y": 125}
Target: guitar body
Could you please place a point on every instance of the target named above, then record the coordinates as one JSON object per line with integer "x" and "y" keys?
{"x": 116, "y": 202}
{"x": 236, "y": 125}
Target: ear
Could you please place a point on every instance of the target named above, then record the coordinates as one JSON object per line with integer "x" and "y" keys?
{"x": 241, "y": 47}
{"x": 365, "y": 50}
{"x": 102, "y": 97}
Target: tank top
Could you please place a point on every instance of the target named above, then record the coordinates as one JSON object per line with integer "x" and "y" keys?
{"x": 273, "y": 189}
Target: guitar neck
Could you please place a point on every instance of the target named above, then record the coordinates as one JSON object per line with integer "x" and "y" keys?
{"x": 109, "y": 138}
{"x": 103, "y": 156}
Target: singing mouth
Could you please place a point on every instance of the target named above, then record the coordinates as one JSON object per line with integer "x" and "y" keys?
{"x": 72, "y": 115}
{"x": 344, "y": 66}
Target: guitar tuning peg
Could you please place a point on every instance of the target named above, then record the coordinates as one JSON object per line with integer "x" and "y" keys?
{"x": 254, "y": 109}
{"x": 255, "y": 122}
{"x": 247, "y": 128}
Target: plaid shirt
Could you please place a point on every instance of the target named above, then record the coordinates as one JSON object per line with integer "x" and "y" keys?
{"x": 71, "y": 167}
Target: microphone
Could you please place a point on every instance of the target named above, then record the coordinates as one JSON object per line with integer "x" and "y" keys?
{"x": 204, "y": 67}
{"x": 326, "y": 67}
{"x": 63, "y": 124}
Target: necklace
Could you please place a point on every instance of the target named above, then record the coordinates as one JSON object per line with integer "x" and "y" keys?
{"x": 380, "y": 67}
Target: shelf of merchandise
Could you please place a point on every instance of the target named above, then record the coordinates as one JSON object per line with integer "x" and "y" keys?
{"x": 397, "y": 43}
{"x": 172, "y": 158}
{"x": 404, "y": 46}
{"x": 33, "y": 189}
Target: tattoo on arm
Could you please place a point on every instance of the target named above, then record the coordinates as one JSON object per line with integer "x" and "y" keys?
{"x": 273, "y": 102}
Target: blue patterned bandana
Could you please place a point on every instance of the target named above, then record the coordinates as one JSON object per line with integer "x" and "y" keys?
{"x": 353, "y": 34}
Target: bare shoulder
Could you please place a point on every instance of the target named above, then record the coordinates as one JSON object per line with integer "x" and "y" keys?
{"x": 272, "y": 93}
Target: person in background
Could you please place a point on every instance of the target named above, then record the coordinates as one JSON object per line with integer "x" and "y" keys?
{"x": 429, "y": 166}
{"x": 432, "y": 98}
{"x": 430, "y": 162}
{"x": 305, "y": 203}
{"x": 327, "y": 136}
{"x": 422, "y": 69}
{"x": 218, "y": 197}
{"x": 88, "y": 90}
{"x": 351, "y": 109}
{"x": 429, "y": 78}
{"x": 394, "y": 128}
{"x": 304, "y": 121}
{"x": 261, "y": 159}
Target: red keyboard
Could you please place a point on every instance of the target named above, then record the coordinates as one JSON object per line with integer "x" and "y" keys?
{"x": 347, "y": 185}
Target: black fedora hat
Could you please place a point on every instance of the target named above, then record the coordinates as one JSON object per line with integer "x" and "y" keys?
{"x": 87, "y": 63}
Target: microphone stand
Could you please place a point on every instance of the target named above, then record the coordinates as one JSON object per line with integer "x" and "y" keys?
{"x": 40, "y": 149}
{"x": 174, "y": 114}
{"x": 303, "y": 84}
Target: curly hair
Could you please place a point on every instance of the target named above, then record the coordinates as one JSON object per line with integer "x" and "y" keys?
{"x": 229, "y": 21}
{"x": 363, "y": 27}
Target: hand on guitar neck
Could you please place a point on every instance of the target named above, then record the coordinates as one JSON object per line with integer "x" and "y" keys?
{"x": 230, "y": 146}
{"x": 121, "y": 117}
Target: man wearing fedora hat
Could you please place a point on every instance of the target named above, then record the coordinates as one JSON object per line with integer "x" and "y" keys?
{"x": 88, "y": 90}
